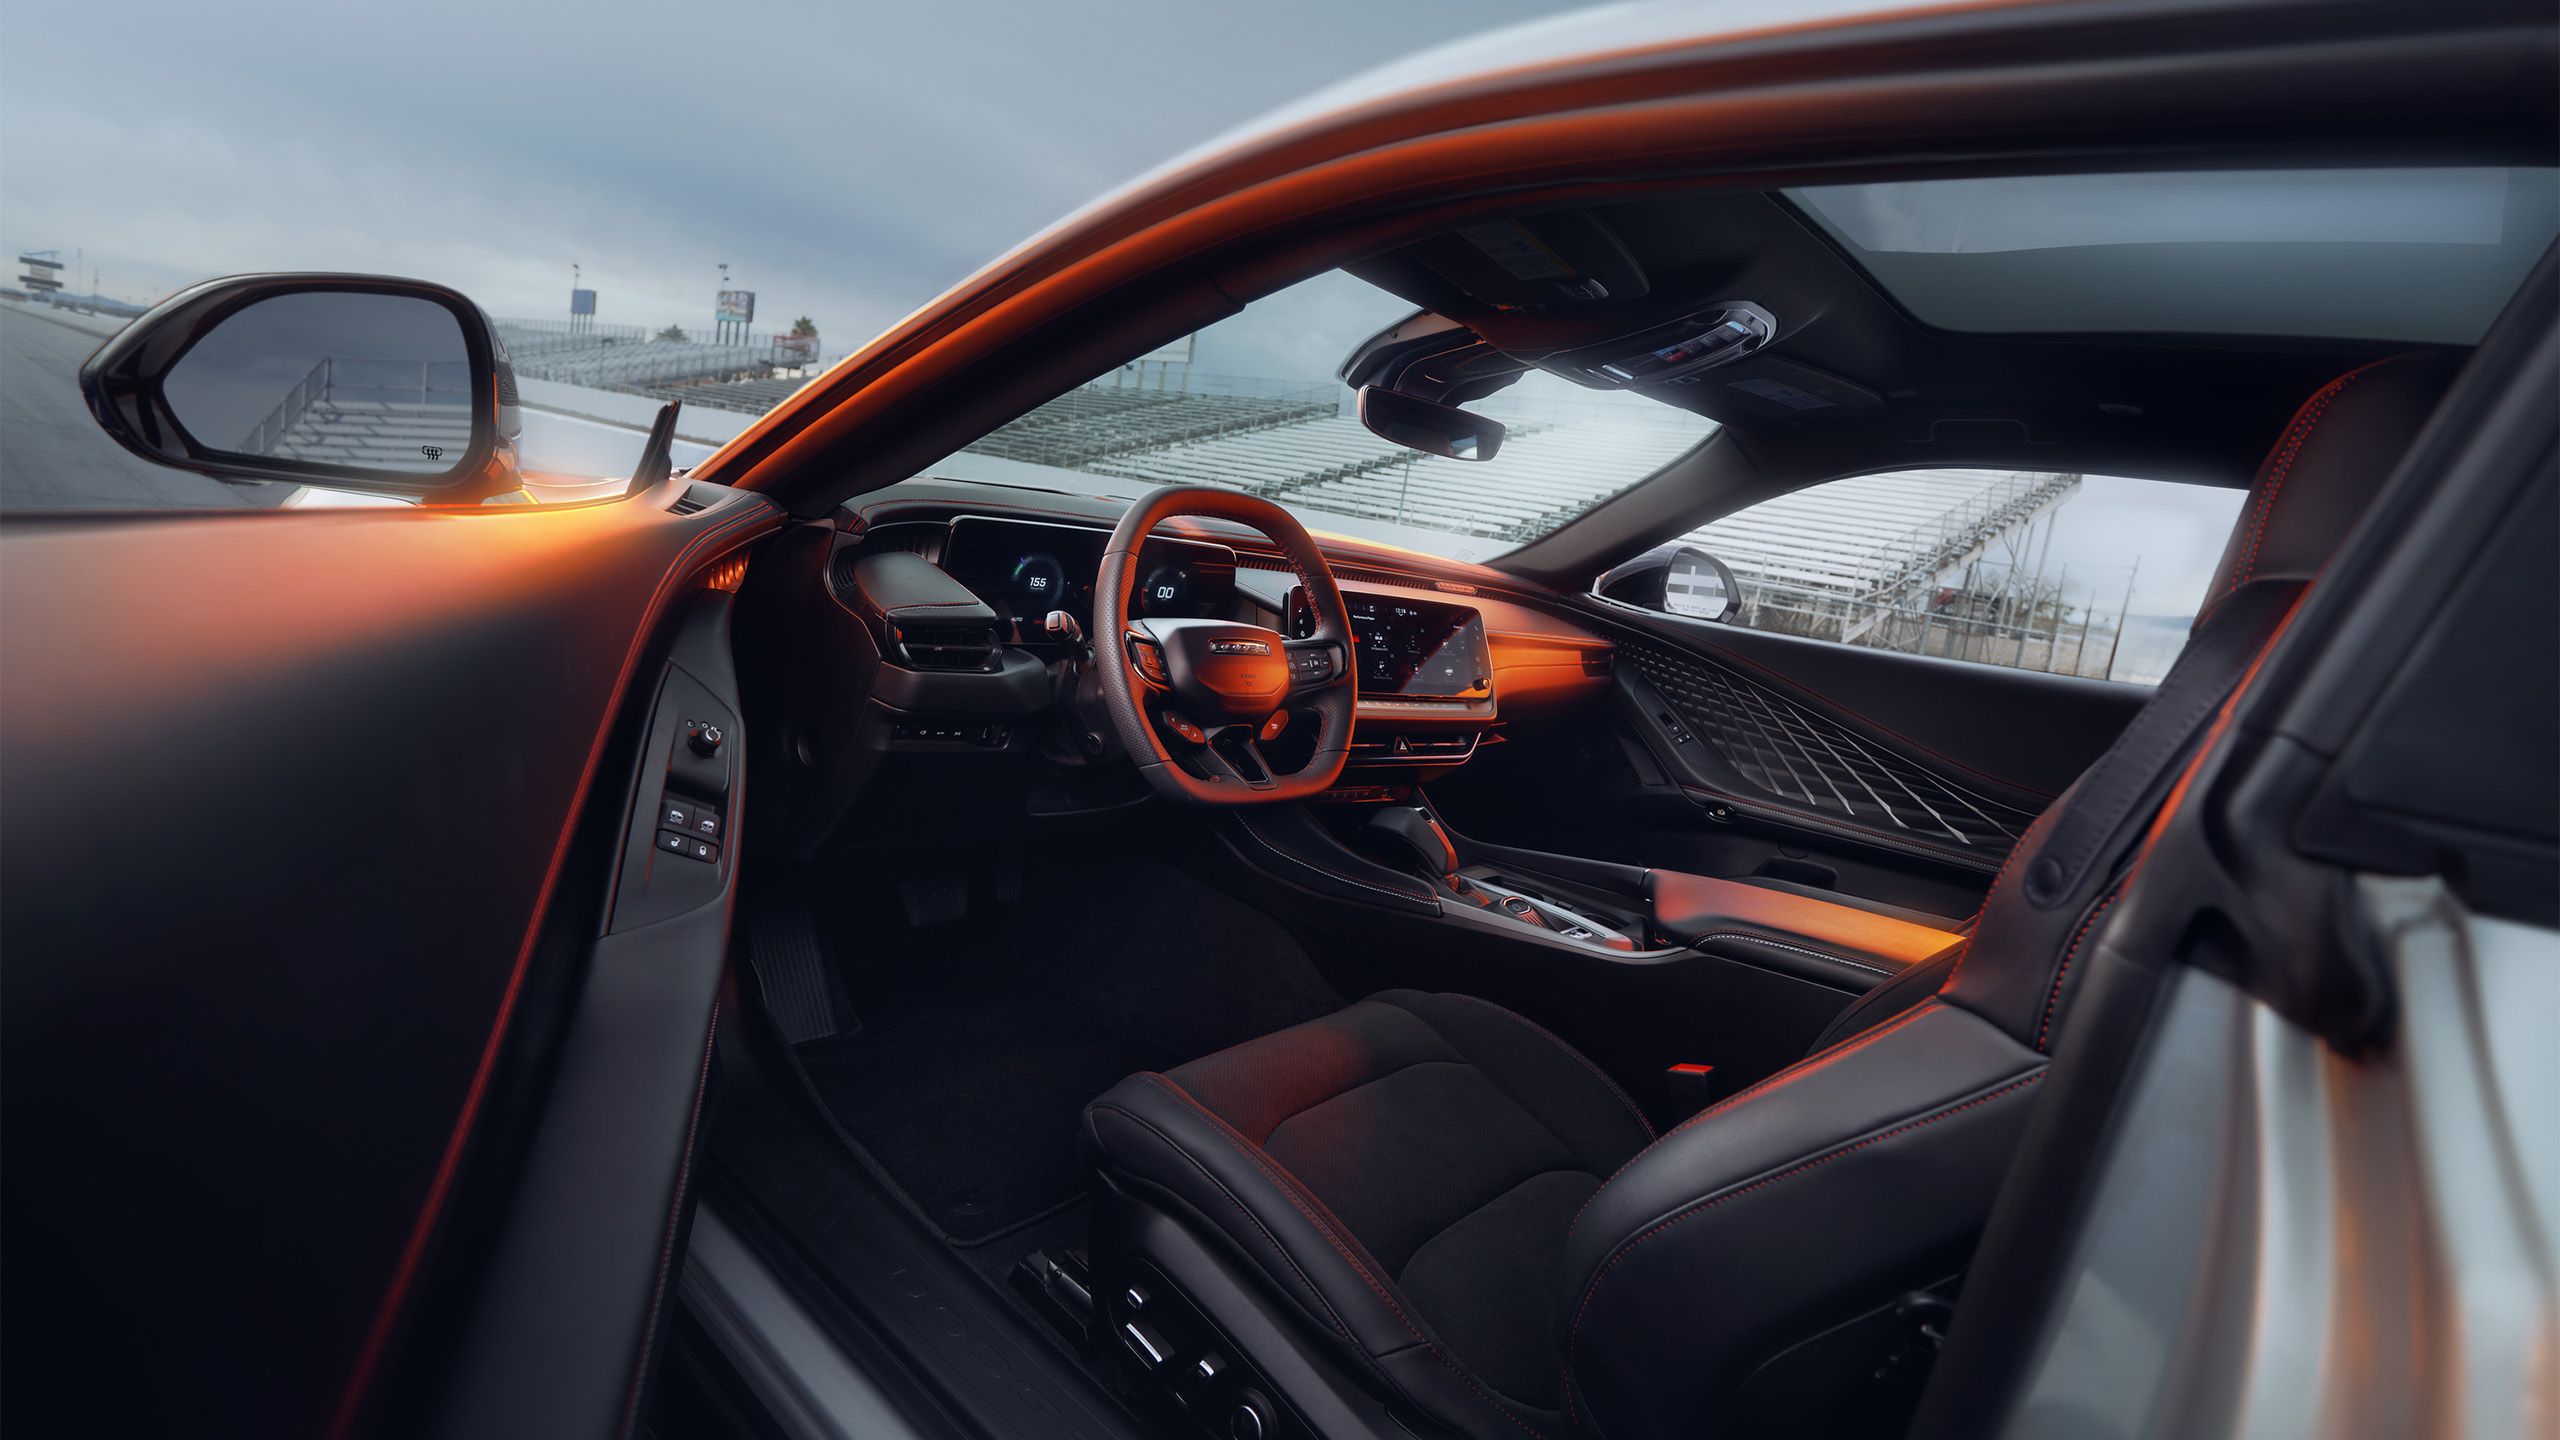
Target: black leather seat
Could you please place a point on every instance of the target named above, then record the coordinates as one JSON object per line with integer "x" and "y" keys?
{"x": 1476, "y": 1225}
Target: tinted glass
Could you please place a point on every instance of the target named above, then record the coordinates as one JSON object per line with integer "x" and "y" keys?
{"x": 2091, "y": 575}
{"x": 1252, "y": 403}
{"x": 2416, "y": 255}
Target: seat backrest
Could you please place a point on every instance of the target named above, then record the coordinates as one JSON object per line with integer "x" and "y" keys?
{"x": 1745, "y": 1271}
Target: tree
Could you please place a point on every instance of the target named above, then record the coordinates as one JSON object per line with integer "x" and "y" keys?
{"x": 804, "y": 326}
{"x": 672, "y": 332}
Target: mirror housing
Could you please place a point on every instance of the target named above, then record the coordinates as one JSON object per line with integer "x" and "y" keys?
{"x": 276, "y": 357}
{"x": 1674, "y": 579}
{"x": 1429, "y": 426}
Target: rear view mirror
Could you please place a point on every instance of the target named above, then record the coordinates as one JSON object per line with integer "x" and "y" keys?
{"x": 353, "y": 382}
{"x": 1430, "y": 427}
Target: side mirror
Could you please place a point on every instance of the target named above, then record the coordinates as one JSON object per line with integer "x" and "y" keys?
{"x": 353, "y": 382}
{"x": 1429, "y": 426}
{"x": 1676, "y": 580}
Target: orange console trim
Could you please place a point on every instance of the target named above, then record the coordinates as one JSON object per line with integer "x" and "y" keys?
{"x": 1691, "y": 905}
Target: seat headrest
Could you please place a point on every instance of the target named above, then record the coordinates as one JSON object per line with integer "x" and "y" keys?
{"x": 2327, "y": 467}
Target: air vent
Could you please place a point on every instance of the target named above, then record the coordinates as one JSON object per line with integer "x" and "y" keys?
{"x": 693, "y": 501}
{"x": 930, "y": 645}
{"x": 1598, "y": 663}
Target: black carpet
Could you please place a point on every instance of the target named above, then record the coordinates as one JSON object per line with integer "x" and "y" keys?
{"x": 980, "y": 1040}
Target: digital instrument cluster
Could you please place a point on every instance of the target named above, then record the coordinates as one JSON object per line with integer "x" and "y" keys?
{"x": 1025, "y": 569}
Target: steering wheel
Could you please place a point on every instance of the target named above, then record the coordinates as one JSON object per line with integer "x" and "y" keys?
{"x": 1194, "y": 700}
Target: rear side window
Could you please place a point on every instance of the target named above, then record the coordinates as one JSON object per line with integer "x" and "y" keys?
{"x": 2091, "y": 575}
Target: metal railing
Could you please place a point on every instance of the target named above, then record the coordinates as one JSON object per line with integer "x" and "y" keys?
{"x": 386, "y": 385}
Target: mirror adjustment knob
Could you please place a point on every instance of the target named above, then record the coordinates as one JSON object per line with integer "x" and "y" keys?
{"x": 705, "y": 739}
{"x": 1251, "y": 1419}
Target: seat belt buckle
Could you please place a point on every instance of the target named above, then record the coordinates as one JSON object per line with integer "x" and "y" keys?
{"x": 1692, "y": 1087}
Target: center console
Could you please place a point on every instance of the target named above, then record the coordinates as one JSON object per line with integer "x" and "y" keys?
{"x": 1836, "y": 940}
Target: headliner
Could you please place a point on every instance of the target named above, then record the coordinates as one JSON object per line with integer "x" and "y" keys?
{"x": 2190, "y": 407}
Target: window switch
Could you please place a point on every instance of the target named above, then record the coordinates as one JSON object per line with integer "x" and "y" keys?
{"x": 675, "y": 815}
{"x": 706, "y": 823}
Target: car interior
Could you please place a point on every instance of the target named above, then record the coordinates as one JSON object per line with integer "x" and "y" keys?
{"x": 896, "y": 930}
{"x": 1203, "y": 977}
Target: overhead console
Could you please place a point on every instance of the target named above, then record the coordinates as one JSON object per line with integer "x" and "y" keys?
{"x": 1670, "y": 353}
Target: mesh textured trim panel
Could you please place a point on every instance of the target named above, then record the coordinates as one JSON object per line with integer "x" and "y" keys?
{"x": 1802, "y": 758}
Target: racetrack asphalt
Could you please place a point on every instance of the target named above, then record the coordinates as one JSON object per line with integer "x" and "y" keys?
{"x": 53, "y": 456}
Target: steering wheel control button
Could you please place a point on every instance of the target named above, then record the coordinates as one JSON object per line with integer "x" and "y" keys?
{"x": 704, "y": 738}
{"x": 1185, "y": 728}
{"x": 1150, "y": 661}
{"x": 1310, "y": 665}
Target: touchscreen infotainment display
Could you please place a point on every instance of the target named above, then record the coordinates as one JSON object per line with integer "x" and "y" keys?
{"x": 1415, "y": 649}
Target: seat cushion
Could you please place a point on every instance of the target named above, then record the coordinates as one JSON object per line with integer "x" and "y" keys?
{"x": 1406, "y": 1171}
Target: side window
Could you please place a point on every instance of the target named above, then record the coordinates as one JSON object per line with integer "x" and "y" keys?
{"x": 2091, "y": 575}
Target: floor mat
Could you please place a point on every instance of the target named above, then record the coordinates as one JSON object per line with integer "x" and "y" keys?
{"x": 970, "y": 1101}
{"x": 980, "y": 1041}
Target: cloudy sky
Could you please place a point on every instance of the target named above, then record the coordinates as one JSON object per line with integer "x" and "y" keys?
{"x": 849, "y": 159}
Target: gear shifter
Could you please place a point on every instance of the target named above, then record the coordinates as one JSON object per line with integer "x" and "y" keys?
{"x": 1418, "y": 830}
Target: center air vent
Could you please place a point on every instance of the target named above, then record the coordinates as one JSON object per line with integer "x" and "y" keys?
{"x": 934, "y": 646}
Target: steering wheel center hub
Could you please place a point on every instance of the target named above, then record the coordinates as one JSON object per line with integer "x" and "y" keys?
{"x": 1223, "y": 672}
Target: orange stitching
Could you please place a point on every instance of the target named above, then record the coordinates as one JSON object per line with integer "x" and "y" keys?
{"x": 2279, "y": 464}
{"x": 1255, "y": 1221}
{"x": 1973, "y": 927}
{"x": 1250, "y": 1151}
{"x": 2055, "y": 998}
{"x": 1825, "y": 1057}
{"x": 1574, "y": 1342}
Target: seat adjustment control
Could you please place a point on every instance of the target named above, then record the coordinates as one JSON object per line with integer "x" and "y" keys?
{"x": 1146, "y": 1344}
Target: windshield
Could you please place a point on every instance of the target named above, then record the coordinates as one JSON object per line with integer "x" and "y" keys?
{"x": 709, "y": 209}
{"x": 1251, "y": 404}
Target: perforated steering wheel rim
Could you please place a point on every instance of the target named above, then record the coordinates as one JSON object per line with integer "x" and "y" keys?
{"x": 1191, "y": 681}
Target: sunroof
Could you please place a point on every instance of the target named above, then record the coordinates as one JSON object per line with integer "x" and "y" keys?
{"x": 2414, "y": 255}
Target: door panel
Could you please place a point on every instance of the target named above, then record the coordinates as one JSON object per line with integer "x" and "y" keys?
{"x": 291, "y": 798}
{"x": 1728, "y": 752}
{"x": 2018, "y": 734}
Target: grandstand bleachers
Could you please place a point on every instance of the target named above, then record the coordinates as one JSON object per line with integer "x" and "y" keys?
{"x": 1099, "y": 422}
{"x": 622, "y": 360}
{"x": 1871, "y": 542}
{"x": 1548, "y": 472}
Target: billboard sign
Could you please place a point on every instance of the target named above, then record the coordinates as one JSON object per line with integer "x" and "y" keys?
{"x": 582, "y": 302}
{"x": 803, "y": 347}
{"x": 736, "y": 305}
